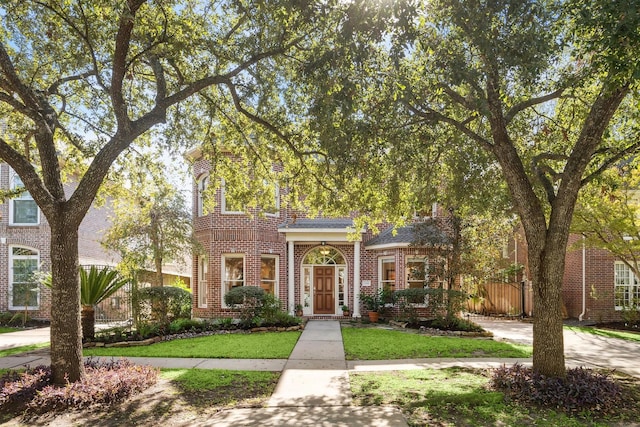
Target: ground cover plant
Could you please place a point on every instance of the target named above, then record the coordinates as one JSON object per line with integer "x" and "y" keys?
{"x": 22, "y": 349}
{"x": 463, "y": 397}
{"x": 105, "y": 383}
{"x": 381, "y": 344}
{"x": 609, "y": 333}
{"x": 180, "y": 397}
{"x": 264, "y": 345}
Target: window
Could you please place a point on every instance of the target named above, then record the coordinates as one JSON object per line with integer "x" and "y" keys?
{"x": 202, "y": 282}
{"x": 271, "y": 205}
{"x": 269, "y": 274}
{"x": 232, "y": 273}
{"x": 627, "y": 287}
{"x": 23, "y": 290}
{"x": 22, "y": 209}
{"x": 229, "y": 204}
{"x": 417, "y": 277}
{"x": 387, "y": 273}
{"x": 203, "y": 183}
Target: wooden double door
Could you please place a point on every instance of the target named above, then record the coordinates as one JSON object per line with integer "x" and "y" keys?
{"x": 324, "y": 283}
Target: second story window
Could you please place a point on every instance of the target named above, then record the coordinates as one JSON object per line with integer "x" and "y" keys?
{"x": 22, "y": 209}
{"x": 203, "y": 183}
{"x": 229, "y": 203}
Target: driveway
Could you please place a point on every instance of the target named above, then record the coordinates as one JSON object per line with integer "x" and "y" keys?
{"x": 579, "y": 348}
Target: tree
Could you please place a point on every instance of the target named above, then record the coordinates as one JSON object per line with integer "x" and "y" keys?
{"x": 81, "y": 82}
{"x": 540, "y": 86}
{"x": 607, "y": 214}
{"x": 151, "y": 224}
{"x": 96, "y": 286}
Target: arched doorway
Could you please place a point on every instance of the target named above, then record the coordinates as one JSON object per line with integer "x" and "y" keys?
{"x": 324, "y": 281}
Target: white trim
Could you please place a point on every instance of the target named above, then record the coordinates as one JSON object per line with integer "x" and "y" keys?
{"x": 24, "y": 197}
{"x": 276, "y": 282}
{"x": 201, "y": 185}
{"x": 223, "y": 201}
{"x": 11, "y": 281}
{"x": 202, "y": 281}
{"x": 381, "y": 261}
{"x": 223, "y": 290}
{"x": 356, "y": 280}
{"x": 309, "y": 310}
{"x": 291, "y": 287}
{"x": 387, "y": 246}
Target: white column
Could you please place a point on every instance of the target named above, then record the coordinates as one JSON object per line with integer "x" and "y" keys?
{"x": 291, "y": 293}
{"x": 356, "y": 279}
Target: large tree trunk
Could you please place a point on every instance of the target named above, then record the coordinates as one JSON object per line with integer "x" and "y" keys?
{"x": 66, "y": 341}
{"x": 547, "y": 270}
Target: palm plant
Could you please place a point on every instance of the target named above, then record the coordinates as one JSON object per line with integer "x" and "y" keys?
{"x": 96, "y": 286}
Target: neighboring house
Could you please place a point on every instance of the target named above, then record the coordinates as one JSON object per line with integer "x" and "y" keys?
{"x": 25, "y": 247}
{"x": 307, "y": 261}
{"x": 597, "y": 286}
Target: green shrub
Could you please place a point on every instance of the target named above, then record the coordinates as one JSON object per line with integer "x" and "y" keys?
{"x": 184, "y": 325}
{"x": 162, "y": 305}
{"x": 249, "y": 300}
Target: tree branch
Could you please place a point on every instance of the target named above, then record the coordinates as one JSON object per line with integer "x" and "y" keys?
{"x": 513, "y": 111}
{"x": 632, "y": 149}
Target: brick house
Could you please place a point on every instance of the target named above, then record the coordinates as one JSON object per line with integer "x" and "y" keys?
{"x": 25, "y": 247}
{"x": 597, "y": 286}
{"x": 311, "y": 262}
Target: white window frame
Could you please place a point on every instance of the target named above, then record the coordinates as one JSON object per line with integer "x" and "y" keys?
{"x": 223, "y": 201}
{"x": 202, "y": 282}
{"x": 223, "y": 278}
{"x": 277, "y": 272}
{"x": 625, "y": 278}
{"x": 25, "y": 196}
{"x": 381, "y": 262}
{"x": 276, "y": 213}
{"x": 13, "y": 257}
{"x": 202, "y": 184}
{"x": 424, "y": 261}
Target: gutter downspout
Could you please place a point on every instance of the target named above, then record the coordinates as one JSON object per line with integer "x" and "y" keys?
{"x": 584, "y": 281}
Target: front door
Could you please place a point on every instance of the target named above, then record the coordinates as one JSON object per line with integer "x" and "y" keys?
{"x": 323, "y": 290}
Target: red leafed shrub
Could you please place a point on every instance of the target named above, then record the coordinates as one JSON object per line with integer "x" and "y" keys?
{"x": 582, "y": 389}
{"x": 104, "y": 384}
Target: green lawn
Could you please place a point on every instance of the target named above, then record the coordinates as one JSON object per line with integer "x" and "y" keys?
{"x": 5, "y": 329}
{"x": 22, "y": 349}
{"x": 220, "y": 387}
{"x": 381, "y": 344}
{"x": 609, "y": 333}
{"x": 268, "y": 345}
{"x": 460, "y": 397}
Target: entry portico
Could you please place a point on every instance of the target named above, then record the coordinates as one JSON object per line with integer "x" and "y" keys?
{"x": 323, "y": 268}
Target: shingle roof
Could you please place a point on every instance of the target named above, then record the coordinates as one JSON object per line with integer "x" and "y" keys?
{"x": 421, "y": 235}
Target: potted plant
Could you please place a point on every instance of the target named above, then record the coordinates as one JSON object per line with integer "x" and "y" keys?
{"x": 345, "y": 310}
{"x": 372, "y": 303}
{"x": 299, "y": 310}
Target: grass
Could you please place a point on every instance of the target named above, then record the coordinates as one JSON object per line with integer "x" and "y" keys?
{"x": 609, "y": 333}
{"x": 461, "y": 397}
{"x": 381, "y": 344}
{"x": 276, "y": 345}
{"x": 6, "y": 329}
{"x": 22, "y": 349}
{"x": 222, "y": 387}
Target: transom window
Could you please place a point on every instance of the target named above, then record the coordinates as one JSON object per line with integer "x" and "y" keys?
{"x": 324, "y": 255}
{"x": 22, "y": 209}
{"x": 627, "y": 287}
{"x": 24, "y": 291}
